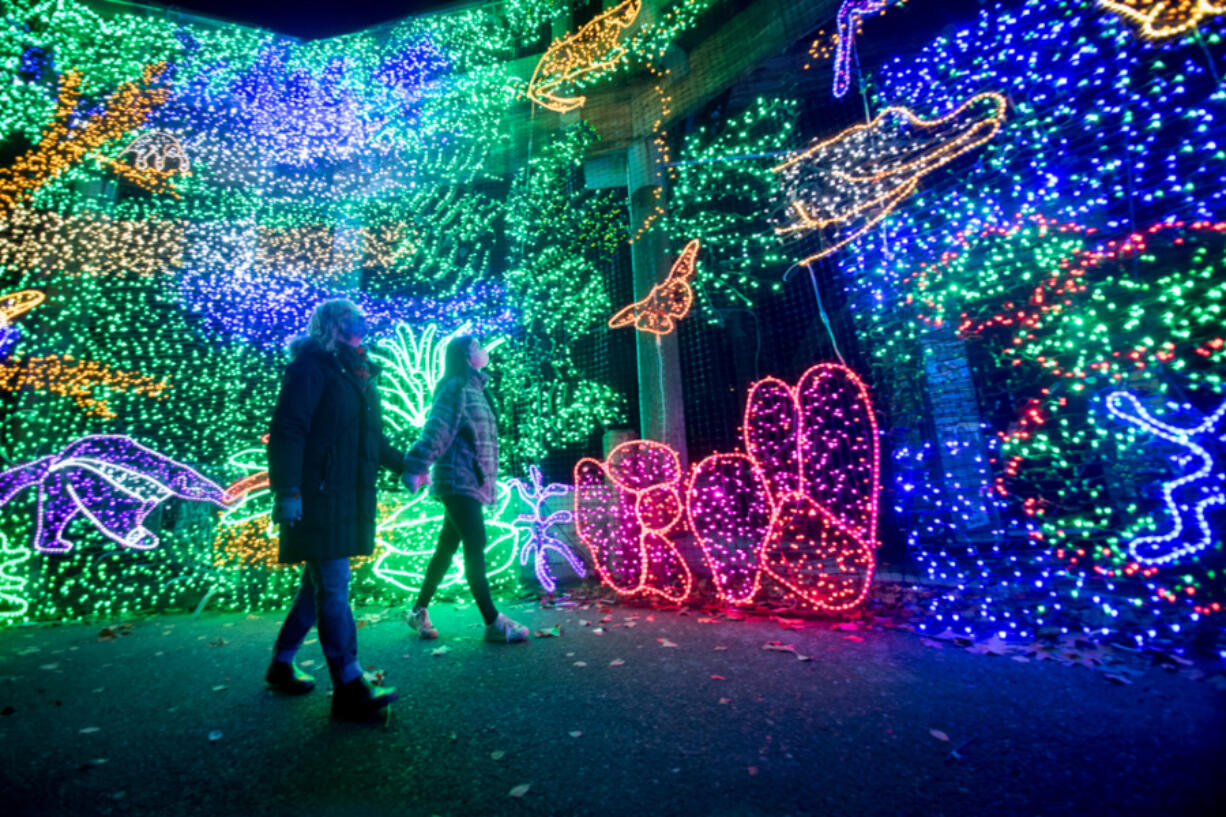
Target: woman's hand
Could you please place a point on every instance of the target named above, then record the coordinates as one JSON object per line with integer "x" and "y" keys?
{"x": 288, "y": 509}
{"x": 415, "y": 482}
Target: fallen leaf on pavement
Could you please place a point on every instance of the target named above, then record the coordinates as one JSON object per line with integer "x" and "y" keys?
{"x": 1116, "y": 678}
{"x": 718, "y": 678}
{"x": 939, "y": 735}
{"x": 497, "y": 754}
{"x": 664, "y": 642}
{"x": 725, "y": 700}
{"x": 580, "y": 664}
{"x": 616, "y": 662}
{"x": 576, "y": 734}
{"x": 779, "y": 646}
{"x": 443, "y": 650}
{"x": 89, "y": 730}
{"x": 993, "y": 646}
{"x": 852, "y": 638}
{"x": 928, "y": 642}
{"x": 720, "y": 649}
{"x": 520, "y": 790}
{"x": 214, "y": 736}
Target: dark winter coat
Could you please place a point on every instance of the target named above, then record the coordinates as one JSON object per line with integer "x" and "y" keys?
{"x": 461, "y": 439}
{"x": 327, "y": 442}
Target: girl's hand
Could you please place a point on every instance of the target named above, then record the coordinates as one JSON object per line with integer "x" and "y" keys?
{"x": 415, "y": 482}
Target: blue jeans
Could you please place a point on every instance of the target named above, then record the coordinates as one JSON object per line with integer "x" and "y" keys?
{"x": 323, "y": 599}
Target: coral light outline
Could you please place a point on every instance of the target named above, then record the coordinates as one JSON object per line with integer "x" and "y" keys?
{"x": 1139, "y": 416}
{"x": 642, "y": 585}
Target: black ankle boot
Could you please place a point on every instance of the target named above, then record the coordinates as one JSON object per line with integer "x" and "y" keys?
{"x": 284, "y": 676}
{"x": 358, "y": 700}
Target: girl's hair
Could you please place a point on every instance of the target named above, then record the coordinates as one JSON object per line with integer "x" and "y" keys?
{"x": 455, "y": 358}
{"x": 328, "y": 315}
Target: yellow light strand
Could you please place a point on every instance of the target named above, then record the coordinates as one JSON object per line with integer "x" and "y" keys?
{"x": 59, "y": 148}
{"x": 1159, "y": 19}
{"x": 591, "y": 49}
{"x": 77, "y": 379}
{"x": 17, "y": 303}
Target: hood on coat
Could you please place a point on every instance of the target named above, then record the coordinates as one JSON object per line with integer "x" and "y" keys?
{"x": 302, "y": 345}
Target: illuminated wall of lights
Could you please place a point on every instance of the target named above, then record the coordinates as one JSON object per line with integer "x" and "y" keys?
{"x": 1030, "y": 226}
{"x": 175, "y": 197}
{"x": 1072, "y": 267}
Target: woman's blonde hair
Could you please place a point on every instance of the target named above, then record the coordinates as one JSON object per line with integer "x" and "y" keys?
{"x": 328, "y": 316}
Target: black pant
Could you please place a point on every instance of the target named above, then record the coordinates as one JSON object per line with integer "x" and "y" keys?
{"x": 463, "y": 520}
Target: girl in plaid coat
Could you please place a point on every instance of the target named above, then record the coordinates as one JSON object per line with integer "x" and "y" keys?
{"x": 460, "y": 439}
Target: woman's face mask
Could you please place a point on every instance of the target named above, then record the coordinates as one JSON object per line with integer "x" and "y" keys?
{"x": 353, "y": 326}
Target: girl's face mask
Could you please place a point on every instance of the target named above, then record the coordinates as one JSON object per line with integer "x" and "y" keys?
{"x": 478, "y": 358}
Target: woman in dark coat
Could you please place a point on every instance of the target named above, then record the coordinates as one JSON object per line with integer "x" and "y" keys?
{"x": 324, "y": 447}
{"x": 461, "y": 440}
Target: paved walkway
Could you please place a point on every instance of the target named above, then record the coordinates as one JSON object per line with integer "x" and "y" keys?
{"x": 672, "y": 715}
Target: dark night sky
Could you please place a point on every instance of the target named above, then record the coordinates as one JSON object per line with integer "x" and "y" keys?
{"x": 310, "y": 19}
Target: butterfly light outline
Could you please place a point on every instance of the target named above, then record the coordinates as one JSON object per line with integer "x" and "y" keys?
{"x": 667, "y": 302}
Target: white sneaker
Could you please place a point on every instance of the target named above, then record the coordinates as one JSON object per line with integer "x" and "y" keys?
{"x": 419, "y": 620}
{"x": 505, "y": 631}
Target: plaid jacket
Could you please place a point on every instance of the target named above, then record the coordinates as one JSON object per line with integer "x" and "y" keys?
{"x": 460, "y": 439}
